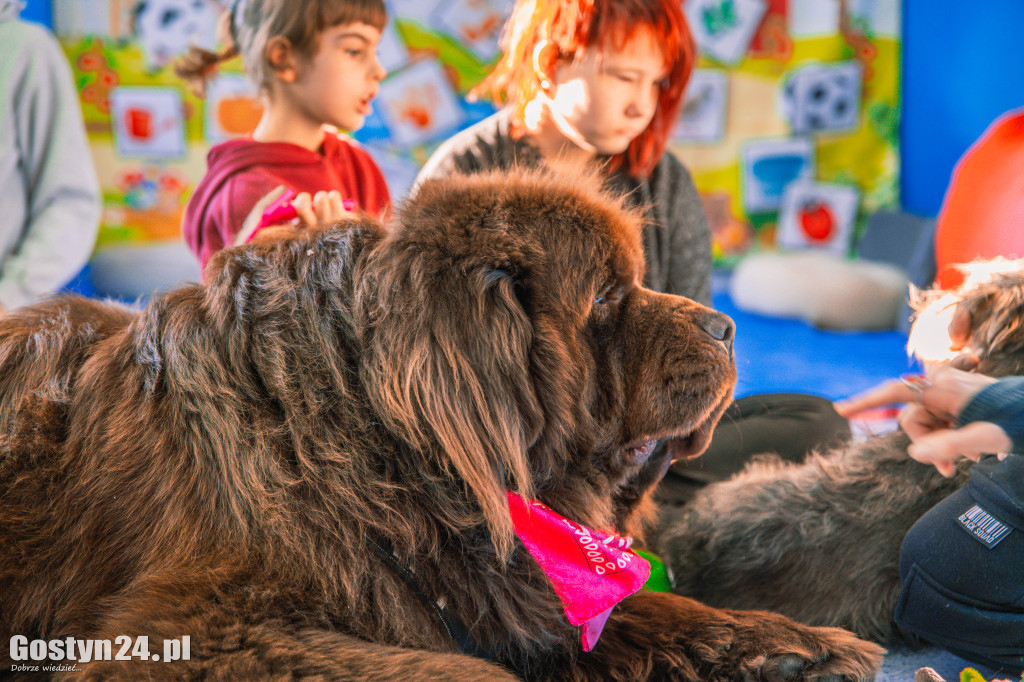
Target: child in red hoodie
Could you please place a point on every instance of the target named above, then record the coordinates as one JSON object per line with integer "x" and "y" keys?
{"x": 315, "y": 62}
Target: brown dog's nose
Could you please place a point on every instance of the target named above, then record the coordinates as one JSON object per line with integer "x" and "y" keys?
{"x": 719, "y": 327}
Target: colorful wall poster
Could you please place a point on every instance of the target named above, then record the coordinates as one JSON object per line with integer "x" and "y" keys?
{"x": 784, "y": 91}
{"x": 814, "y": 97}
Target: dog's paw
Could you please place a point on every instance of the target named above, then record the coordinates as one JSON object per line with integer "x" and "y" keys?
{"x": 771, "y": 648}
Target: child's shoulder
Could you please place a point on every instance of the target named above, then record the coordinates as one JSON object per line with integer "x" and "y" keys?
{"x": 342, "y": 146}
{"x": 341, "y": 140}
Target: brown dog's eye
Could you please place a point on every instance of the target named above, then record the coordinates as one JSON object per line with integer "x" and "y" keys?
{"x": 611, "y": 295}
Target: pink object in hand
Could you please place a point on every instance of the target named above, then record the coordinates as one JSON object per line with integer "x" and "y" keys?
{"x": 282, "y": 211}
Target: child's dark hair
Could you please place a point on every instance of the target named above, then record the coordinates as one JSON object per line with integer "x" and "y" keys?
{"x": 248, "y": 26}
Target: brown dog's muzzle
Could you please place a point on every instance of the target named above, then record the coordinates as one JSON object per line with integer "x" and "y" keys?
{"x": 679, "y": 370}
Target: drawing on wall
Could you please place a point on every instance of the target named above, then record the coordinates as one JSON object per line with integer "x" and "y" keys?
{"x": 702, "y": 116}
{"x": 811, "y": 18}
{"x": 818, "y": 216}
{"x": 232, "y": 108}
{"x": 166, "y": 28}
{"x": 399, "y": 172}
{"x": 475, "y": 23}
{"x": 723, "y": 29}
{"x": 823, "y": 98}
{"x": 147, "y": 122}
{"x": 391, "y": 51}
{"x": 769, "y": 166}
{"x": 419, "y": 11}
{"x": 417, "y": 104}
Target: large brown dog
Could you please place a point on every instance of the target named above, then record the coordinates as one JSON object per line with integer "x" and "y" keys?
{"x": 819, "y": 541}
{"x": 303, "y": 465}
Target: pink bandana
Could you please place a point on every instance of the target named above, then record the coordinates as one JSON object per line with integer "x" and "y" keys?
{"x": 590, "y": 570}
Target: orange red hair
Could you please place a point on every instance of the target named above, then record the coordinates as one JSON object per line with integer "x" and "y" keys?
{"x": 571, "y": 25}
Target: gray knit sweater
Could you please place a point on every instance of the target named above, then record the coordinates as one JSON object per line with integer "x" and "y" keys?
{"x": 677, "y": 240}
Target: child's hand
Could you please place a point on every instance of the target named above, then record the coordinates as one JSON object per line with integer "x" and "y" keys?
{"x": 323, "y": 208}
{"x": 933, "y": 406}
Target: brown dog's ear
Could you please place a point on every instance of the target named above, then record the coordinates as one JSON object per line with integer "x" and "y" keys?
{"x": 446, "y": 351}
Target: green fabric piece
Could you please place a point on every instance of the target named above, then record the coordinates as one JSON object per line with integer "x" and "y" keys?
{"x": 658, "y": 581}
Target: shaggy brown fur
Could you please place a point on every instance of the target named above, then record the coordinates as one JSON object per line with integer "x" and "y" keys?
{"x": 217, "y": 464}
{"x": 819, "y": 541}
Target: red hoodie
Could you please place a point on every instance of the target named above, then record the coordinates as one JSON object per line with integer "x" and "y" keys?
{"x": 240, "y": 172}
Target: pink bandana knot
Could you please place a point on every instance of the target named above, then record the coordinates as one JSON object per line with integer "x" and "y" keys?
{"x": 591, "y": 570}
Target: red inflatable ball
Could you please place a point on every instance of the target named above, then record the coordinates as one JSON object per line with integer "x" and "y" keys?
{"x": 982, "y": 214}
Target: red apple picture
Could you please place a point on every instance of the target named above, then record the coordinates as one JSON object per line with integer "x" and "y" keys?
{"x": 138, "y": 123}
{"x": 817, "y": 221}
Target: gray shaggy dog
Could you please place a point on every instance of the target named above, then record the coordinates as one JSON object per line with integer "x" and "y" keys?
{"x": 819, "y": 541}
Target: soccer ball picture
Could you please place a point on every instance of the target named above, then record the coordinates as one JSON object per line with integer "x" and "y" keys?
{"x": 823, "y": 98}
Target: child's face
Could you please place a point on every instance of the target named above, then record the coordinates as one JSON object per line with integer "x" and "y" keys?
{"x": 609, "y": 97}
{"x": 336, "y": 85}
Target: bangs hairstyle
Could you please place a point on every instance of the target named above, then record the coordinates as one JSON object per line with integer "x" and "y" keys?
{"x": 572, "y": 25}
{"x": 248, "y": 26}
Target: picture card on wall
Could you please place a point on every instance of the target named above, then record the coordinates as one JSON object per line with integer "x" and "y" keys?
{"x": 399, "y": 171}
{"x": 147, "y": 122}
{"x": 818, "y": 216}
{"x": 420, "y": 11}
{"x": 809, "y": 18}
{"x": 723, "y": 29}
{"x": 823, "y": 98}
{"x": 391, "y": 51}
{"x": 702, "y": 116}
{"x": 418, "y": 104}
{"x": 231, "y": 107}
{"x": 167, "y": 28}
{"x": 770, "y": 166}
{"x": 103, "y": 18}
{"x": 475, "y": 23}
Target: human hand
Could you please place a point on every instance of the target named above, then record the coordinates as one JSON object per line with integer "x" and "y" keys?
{"x": 933, "y": 406}
{"x": 943, "y": 446}
{"x": 322, "y": 208}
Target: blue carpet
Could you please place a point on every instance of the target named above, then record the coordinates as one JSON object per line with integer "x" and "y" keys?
{"x": 774, "y": 355}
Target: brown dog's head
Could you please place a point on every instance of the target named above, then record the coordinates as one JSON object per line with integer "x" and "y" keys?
{"x": 988, "y": 309}
{"x": 503, "y": 325}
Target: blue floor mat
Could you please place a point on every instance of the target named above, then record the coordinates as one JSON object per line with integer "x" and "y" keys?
{"x": 774, "y": 355}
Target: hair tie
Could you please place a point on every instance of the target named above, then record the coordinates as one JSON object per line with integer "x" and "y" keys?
{"x": 232, "y": 13}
